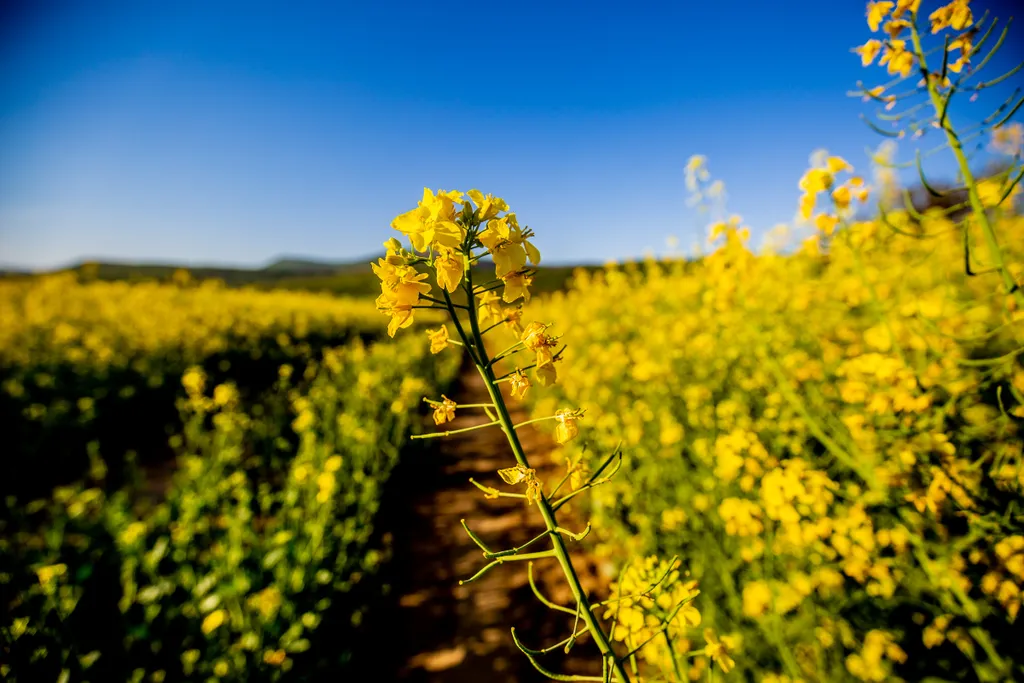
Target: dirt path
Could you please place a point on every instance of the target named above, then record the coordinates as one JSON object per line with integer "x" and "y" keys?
{"x": 438, "y": 630}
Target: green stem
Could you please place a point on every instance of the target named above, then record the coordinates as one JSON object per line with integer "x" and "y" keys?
{"x": 996, "y": 253}
{"x": 484, "y": 367}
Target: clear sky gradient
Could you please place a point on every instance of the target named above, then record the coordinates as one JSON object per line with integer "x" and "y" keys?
{"x": 233, "y": 133}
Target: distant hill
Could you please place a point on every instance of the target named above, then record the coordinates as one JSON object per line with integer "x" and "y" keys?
{"x": 296, "y": 266}
{"x": 347, "y": 278}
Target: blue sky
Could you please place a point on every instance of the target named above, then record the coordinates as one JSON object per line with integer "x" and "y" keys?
{"x": 232, "y": 133}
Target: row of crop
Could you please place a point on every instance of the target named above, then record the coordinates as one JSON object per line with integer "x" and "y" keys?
{"x": 100, "y": 361}
{"x": 830, "y": 440}
{"x": 251, "y": 566}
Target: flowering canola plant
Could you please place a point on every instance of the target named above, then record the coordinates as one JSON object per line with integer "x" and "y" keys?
{"x": 450, "y": 232}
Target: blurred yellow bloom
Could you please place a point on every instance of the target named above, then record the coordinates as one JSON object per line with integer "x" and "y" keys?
{"x": 826, "y": 223}
{"x": 956, "y": 15}
{"x": 546, "y": 374}
{"x": 1008, "y": 139}
{"x": 213, "y": 621}
{"x": 48, "y": 573}
{"x": 275, "y": 657}
{"x": 903, "y": 6}
{"x": 326, "y": 484}
{"x": 715, "y": 648}
{"x": 868, "y": 51}
{"x": 267, "y": 602}
{"x": 877, "y": 11}
{"x": 964, "y": 43}
{"x": 899, "y": 59}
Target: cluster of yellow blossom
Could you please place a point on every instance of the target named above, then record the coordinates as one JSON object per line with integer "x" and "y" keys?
{"x": 822, "y": 178}
{"x": 899, "y": 49}
{"x": 443, "y": 238}
{"x": 650, "y": 596}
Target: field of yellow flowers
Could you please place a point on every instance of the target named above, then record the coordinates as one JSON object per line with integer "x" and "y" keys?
{"x": 830, "y": 438}
{"x": 81, "y": 360}
{"x": 284, "y": 417}
{"x": 802, "y": 463}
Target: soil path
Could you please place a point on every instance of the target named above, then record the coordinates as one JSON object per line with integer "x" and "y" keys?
{"x": 441, "y": 631}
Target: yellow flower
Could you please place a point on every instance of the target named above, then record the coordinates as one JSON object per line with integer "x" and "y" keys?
{"x": 487, "y": 207}
{"x": 836, "y": 164}
{"x": 326, "y": 482}
{"x": 868, "y": 51}
{"x": 521, "y": 474}
{"x": 49, "y": 573}
{"x": 516, "y": 285}
{"x": 444, "y": 411}
{"x": 194, "y": 380}
{"x": 224, "y": 394}
{"x": 438, "y": 339}
{"x": 401, "y": 288}
{"x": 520, "y": 383}
{"x": 333, "y": 464}
{"x": 716, "y": 649}
{"x": 450, "y": 266}
{"x": 275, "y": 657}
{"x": 432, "y": 222}
{"x": 546, "y": 374}
{"x": 566, "y": 429}
{"x": 133, "y": 532}
{"x": 895, "y": 27}
{"x": 876, "y": 12}
{"x": 956, "y": 15}
{"x": 816, "y": 180}
{"x": 807, "y": 203}
{"x": 266, "y": 602}
{"x": 507, "y": 255}
{"x": 490, "y": 309}
{"x": 516, "y": 475}
{"x": 903, "y": 6}
{"x": 213, "y": 621}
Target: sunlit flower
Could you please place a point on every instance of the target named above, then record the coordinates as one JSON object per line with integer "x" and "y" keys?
{"x": 450, "y": 267}
{"x": 520, "y": 384}
{"x": 566, "y": 429}
{"x": 213, "y": 621}
{"x": 444, "y": 411}
{"x": 433, "y": 221}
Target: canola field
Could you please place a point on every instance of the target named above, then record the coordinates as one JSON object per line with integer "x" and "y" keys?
{"x": 803, "y": 462}
{"x": 283, "y": 417}
{"x": 830, "y": 439}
